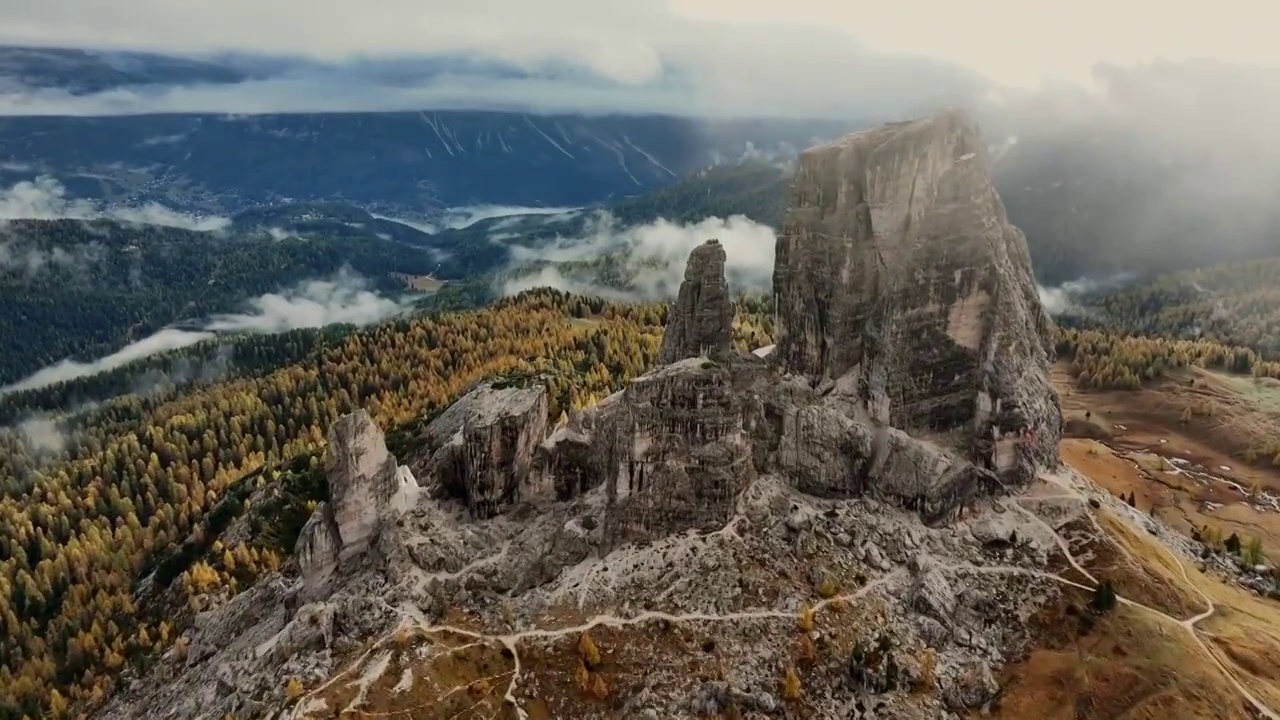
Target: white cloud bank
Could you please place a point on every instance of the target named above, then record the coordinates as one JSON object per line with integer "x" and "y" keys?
{"x": 461, "y": 217}
{"x": 635, "y": 41}
{"x": 163, "y": 341}
{"x": 345, "y": 298}
{"x": 1065, "y": 298}
{"x": 655, "y": 256}
{"x": 46, "y": 199}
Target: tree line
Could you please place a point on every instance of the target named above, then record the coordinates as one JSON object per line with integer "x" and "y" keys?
{"x": 1102, "y": 360}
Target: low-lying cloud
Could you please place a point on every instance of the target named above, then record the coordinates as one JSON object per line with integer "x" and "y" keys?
{"x": 1065, "y": 298}
{"x": 651, "y": 257}
{"x": 461, "y": 217}
{"x": 41, "y": 435}
{"x": 30, "y": 259}
{"x": 163, "y": 341}
{"x": 467, "y": 216}
{"x": 184, "y": 371}
{"x": 46, "y": 199}
{"x": 343, "y": 299}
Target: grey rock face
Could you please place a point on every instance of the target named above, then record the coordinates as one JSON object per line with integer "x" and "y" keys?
{"x": 571, "y": 457}
{"x": 680, "y": 447}
{"x": 898, "y": 267}
{"x": 318, "y": 546}
{"x": 913, "y": 352}
{"x": 701, "y": 320}
{"x": 368, "y": 489}
{"x": 364, "y": 482}
{"x": 482, "y": 449}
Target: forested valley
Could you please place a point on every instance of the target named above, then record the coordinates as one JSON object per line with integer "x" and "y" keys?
{"x": 107, "y": 545}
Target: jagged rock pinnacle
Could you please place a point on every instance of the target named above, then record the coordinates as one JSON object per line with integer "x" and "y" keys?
{"x": 367, "y": 488}
{"x": 701, "y": 320}
{"x": 481, "y": 449}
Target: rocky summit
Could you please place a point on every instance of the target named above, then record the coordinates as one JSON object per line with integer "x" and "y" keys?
{"x": 827, "y": 530}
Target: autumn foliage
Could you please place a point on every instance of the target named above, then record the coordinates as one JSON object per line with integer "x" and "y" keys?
{"x": 143, "y": 484}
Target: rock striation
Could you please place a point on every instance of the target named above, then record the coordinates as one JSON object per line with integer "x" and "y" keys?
{"x": 701, "y": 319}
{"x": 898, "y": 269}
{"x": 680, "y": 449}
{"x": 368, "y": 489}
{"x": 482, "y": 448}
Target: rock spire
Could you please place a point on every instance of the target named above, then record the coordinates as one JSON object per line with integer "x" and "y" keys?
{"x": 701, "y": 320}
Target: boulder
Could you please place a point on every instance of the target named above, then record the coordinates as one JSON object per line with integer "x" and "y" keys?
{"x": 481, "y": 449}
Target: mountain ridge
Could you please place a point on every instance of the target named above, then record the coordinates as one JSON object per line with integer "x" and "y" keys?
{"x": 408, "y": 161}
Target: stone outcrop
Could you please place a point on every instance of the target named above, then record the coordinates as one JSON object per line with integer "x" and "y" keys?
{"x": 677, "y": 442}
{"x": 368, "y": 489}
{"x": 912, "y": 362}
{"x": 911, "y": 341}
{"x": 679, "y": 447}
{"x": 823, "y": 451}
{"x": 701, "y": 319}
{"x": 571, "y": 458}
{"x": 898, "y": 267}
{"x": 481, "y": 450}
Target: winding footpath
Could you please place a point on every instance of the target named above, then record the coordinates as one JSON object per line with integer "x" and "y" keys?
{"x": 1188, "y": 624}
{"x": 511, "y": 641}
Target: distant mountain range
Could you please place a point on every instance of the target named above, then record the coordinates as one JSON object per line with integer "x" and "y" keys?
{"x": 403, "y": 162}
{"x": 1097, "y": 195}
{"x": 415, "y": 163}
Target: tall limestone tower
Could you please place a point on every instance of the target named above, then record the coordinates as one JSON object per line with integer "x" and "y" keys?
{"x": 898, "y": 275}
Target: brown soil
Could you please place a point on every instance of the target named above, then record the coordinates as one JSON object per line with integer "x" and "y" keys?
{"x": 1129, "y": 665}
{"x": 1137, "y": 442}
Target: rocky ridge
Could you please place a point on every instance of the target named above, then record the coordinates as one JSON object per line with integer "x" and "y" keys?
{"x": 698, "y": 521}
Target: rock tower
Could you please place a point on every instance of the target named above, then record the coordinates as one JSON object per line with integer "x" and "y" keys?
{"x": 898, "y": 273}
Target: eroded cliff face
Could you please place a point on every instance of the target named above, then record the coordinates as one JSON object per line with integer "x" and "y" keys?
{"x": 898, "y": 268}
{"x": 680, "y": 447}
{"x": 481, "y": 450}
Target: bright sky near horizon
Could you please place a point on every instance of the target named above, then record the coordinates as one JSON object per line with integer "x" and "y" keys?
{"x": 1019, "y": 42}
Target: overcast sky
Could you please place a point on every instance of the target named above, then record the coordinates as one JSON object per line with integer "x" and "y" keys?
{"x": 1011, "y": 41}
{"x": 833, "y": 58}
